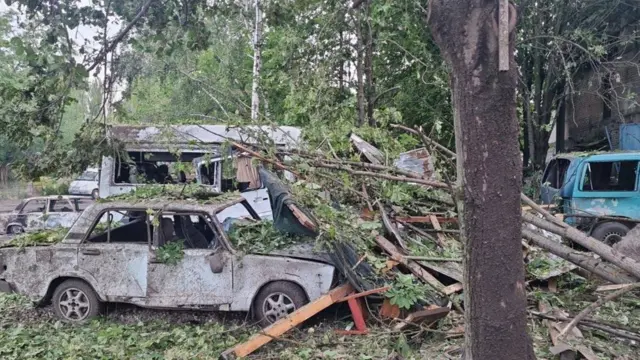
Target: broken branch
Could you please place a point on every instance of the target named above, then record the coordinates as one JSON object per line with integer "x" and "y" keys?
{"x": 594, "y": 306}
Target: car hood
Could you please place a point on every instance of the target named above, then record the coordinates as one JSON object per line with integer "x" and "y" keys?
{"x": 303, "y": 251}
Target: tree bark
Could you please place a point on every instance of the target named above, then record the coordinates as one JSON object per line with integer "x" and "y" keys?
{"x": 490, "y": 174}
{"x": 257, "y": 63}
{"x": 359, "y": 70}
{"x": 368, "y": 66}
{"x": 608, "y": 253}
{"x": 583, "y": 260}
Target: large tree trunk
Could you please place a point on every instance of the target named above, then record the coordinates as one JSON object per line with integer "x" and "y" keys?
{"x": 360, "y": 70}
{"x": 257, "y": 63}
{"x": 490, "y": 175}
{"x": 368, "y": 66}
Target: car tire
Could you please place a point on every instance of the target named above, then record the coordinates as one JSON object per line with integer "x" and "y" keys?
{"x": 74, "y": 301}
{"x": 277, "y": 300}
{"x": 15, "y": 229}
{"x": 95, "y": 194}
{"x": 610, "y": 232}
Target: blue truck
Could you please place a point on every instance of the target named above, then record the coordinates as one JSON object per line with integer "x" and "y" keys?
{"x": 597, "y": 192}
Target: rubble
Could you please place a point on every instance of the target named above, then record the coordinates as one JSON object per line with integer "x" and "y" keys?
{"x": 418, "y": 234}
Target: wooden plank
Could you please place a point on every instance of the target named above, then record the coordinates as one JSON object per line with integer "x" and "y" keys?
{"x": 283, "y": 325}
{"x": 416, "y": 269}
{"x": 425, "y": 219}
{"x": 365, "y": 293}
{"x": 453, "y": 288}
{"x": 436, "y": 225}
{"x": 611, "y": 287}
{"x": 429, "y": 315}
{"x": 449, "y": 269}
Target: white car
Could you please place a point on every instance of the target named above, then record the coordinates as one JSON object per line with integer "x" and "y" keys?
{"x": 86, "y": 184}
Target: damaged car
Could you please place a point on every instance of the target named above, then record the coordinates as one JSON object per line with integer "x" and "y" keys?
{"x": 165, "y": 254}
{"x": 44, "y": 212}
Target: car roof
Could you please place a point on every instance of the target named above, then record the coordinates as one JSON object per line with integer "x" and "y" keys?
{"x": 212, "y": 205}
{"x": 54, "y": 197}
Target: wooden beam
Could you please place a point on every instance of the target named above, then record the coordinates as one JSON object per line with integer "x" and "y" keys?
{"x": 436, "y": 225}
{"x": 283, "y": 325}
{"x": 416, "y": 269}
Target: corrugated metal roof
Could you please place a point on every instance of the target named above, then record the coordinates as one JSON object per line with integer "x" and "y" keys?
{"x": 201, "y": 136}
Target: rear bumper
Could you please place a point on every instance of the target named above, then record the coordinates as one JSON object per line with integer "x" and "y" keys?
{"x": 5, "y": 287}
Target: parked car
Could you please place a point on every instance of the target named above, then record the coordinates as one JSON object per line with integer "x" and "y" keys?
{"x": 597, "y": 193}
{"x": 123, "y": 262}
{"x": 86, "y": 184}
{"x": 44, "y": 212}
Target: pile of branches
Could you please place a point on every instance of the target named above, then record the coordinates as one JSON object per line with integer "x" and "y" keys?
{"x": 403, "y": 223}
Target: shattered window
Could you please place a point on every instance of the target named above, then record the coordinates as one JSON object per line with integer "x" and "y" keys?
{"x": 192, "y": 229}
{"x": 118, "y": 227}
{"x": 610, "y": 176}
{"x": 60, "y": 206}
{"x": 555, "y": 173}
{"x": 34, "y": 206}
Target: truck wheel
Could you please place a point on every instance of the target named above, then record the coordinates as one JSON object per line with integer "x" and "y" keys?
{"x": 15, "y": 229}
{"x": 610, "y": 232}
{"x": 95, "y": 194}
{"x": 277, "y": 300}
{"x": 74, "y": 301}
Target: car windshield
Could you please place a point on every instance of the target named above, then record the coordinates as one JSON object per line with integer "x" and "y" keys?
{"x": 88, "y": 176}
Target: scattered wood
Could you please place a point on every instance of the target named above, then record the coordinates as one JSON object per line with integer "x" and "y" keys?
{"x": 421, "y": 232}
{"x": 369, "y": 151}
{"x": 281, "y": 326}
{"x": 452, "y": 289}
{"x": 597, "y": 247}
{"x": 425, "y": 219}
{"x": 592, "y": 324}
{"x": 561, "y": 348}
{"x": 583, "y": 260}
{"x": 430, "y": 315}
{"x": 416, "y": 269}
{"x": 603, "y": 288}
{"x": 584, "y": 313}
{"x": 391, "y": 228}
{"x": 335, "y": 166}
{"x": 428, "y": 258}
{"x": 436, "y": 226}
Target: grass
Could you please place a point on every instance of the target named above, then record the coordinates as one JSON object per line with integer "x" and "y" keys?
{"x": 28, "y": 333}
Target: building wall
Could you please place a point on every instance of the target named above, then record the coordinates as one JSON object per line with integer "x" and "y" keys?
{"x": 584, "y": 113}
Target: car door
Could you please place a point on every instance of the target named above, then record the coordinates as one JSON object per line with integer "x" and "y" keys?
{"x": 31, "y": 216}
{"x": 202, "y": 278}
{"x": 60, "y": 213}
{"x": 115, "y": 255}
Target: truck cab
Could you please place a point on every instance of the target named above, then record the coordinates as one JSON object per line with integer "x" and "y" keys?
{"x": 597, "y": 193}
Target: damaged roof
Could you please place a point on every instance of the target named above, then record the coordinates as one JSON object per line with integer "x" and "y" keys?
{"x": 198, "y": 136}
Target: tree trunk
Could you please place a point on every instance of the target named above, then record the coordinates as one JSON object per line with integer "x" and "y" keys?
{"x": 490, "y": 175}
{"x": 257, "y": 64}
{"x": 530, "y": 129}
{"x": 360, "y": 70}
{"x": 584, "y": 260}
{"x": 597, "y": 247}
{"x": 368, "y": 66}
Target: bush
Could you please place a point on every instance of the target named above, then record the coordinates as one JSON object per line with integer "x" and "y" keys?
{"x": 50, "y": 186}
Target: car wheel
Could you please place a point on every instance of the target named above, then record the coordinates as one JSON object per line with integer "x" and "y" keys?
{"x": 74, "y": 301}
{"x": 15, "y": 229}
{"x": 610, "y": 232}
{"x": 95, "y": 194}
{"x": 277, "y": 300}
